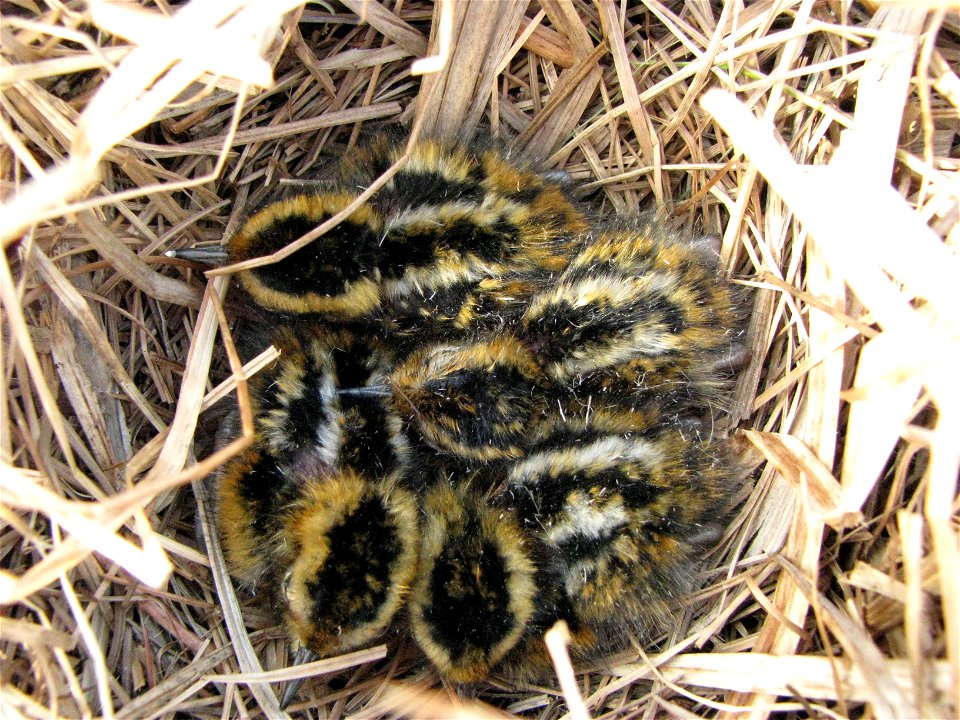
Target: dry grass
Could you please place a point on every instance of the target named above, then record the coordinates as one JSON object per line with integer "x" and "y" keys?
{"x": 819, "y": 139}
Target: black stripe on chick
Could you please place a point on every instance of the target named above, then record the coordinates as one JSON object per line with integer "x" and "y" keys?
{"x": 639, "y": 313}
{"x": 623, "y": 518}
{"x": 474, "y": 592}
{"x": 351, "y": 553}
{"x": 296, "y": 408}
{"x": 475, "y": 401}
{"x": 337, "y": 275}
{"x": 251, "y": 490}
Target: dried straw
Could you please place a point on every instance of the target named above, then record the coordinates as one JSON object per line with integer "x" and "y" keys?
{"x": 818, "y": 139}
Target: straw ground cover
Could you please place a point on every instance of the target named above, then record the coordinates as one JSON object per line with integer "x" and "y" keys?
{"x": 819, "y": 140}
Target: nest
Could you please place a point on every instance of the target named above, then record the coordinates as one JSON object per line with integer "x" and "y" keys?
{"x": 818, "y": 140}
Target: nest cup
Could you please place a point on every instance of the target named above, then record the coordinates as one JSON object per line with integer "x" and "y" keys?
{"x": 818, "y": 141}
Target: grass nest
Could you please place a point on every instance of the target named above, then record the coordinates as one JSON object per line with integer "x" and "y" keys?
{"x": 819, "y": 140}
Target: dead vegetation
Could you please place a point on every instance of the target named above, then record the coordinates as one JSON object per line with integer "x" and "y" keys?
{"x": 818, "y": 139}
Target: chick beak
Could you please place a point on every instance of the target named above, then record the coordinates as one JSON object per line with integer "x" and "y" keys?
{"x": 215, "y": 255}
{"x": 302, "y": 657}
{"x": 369, "y": 391}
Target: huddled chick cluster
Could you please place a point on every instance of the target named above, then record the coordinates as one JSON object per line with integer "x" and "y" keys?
{"x": 484, "y": 418}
